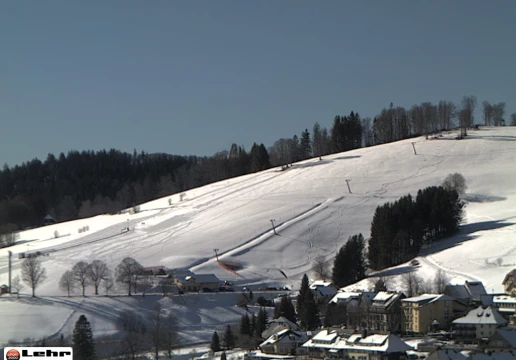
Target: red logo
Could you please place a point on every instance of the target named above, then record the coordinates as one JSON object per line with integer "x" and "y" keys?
{"x": 12, "y": 355}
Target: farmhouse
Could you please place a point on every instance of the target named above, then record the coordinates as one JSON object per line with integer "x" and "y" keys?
{"x": 285, "y": 342}
{"x": 197, "y": 282}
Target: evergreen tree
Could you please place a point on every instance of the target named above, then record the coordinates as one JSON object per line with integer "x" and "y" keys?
{"x": 245, "y": 325}
{"x": 305, "y": 147}
{"x": 317, "y": 140}
{"x": 215, "y": 342}
{"x": 229, "y": 339}
{"x": 302, "y": 296}
{"x": 82, "y": 339}
{"x": 223, "y": 356}
{"x": 252, "y": 327}
{"x": 261, "y": 322}
{"x": 309, "y": 318}
{"x": 349, "y": 265}
{"x": 286, "y": 309}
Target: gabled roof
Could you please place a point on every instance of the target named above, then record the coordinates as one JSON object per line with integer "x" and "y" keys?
{"x": 379, "y": 343}
{"x": 510, "y": 275}
{"x": 286, "y": 336}
{"x": 326, "y": 291}
{"x": 475, "y": 288}
{"x": 482, "y": 316}
{"x": 344, "y": 296}
{"x": 447, "y": 354}
{"x": 325, "y": 336}
{"x": 509, "y": 335}
{"x": 458, "y": 292}
{"x": 383, "y": 296}
{"x": 428, "y": 298}
{"x": 320, "y": 283}
{"x": 284, "y": 321}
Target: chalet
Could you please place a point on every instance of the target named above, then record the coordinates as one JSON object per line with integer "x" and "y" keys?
{"x": 509, "y": 283}
{"x": 196, "y": 282}
{"x": 285, "y": 342}
{"x": 479, "y": 324}
{"x": 429, "y": 312}
{"x": 372, "y": 347}
{"x": 277, "y": 325}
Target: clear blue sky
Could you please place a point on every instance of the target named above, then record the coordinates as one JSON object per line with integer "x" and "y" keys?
{"x": 192, "y": 77}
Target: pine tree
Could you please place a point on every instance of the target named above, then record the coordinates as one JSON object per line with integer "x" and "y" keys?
{"x": 252, "y": 328}
{"x": 245, "y": 325}
{"x": 349, "y": 265}
{"x": 310, "y": 317}
{"x": 305, "y": 147}
{"x": 261, "y": 322}
{"x": 82, "y": 340}
{"x": 215, "y": 342}
{"x": 229, "y": 339}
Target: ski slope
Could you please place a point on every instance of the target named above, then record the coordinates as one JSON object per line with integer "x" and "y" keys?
{"x": 314, "y": 214}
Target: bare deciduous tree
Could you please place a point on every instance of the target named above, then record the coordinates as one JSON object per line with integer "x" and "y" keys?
{"x": 162, "y": 332}
{"x": 127, "y": 271}
{"x": 108, "y": 284}
{"x": 98, "y": 272}
{"x": 17, "y": 285}
{"x": 487, "y": 112}
{"x": 499, "y": 261}
{"x": 413, "y": 283}
{"x": 513, "y": 119}
{"x": 81, "y": 272}
{"x": 33, "y": 273}
{"x": 67, "y": 282}
{"x": 455, "y": 182}
{"x": 468, "y": 104}
{"x": 498, "y": 113}
{"x": 440, "y": 281}
{"x": 134, "y": 340}
{"x": 320, "y": 268}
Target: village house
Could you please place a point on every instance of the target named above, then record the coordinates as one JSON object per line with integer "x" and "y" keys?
{"x": 509, "y": 283}
{"x": 276, "y": 325}
{"x": 285, "y": 342}
{"x": 429, "y": 312}
{"x": 323, "y": 291}
{"x": 479, "y": 324}
{"x": 471, "y": 293}
{"x": 357, "y": 346}
{"x": 383, "y": 313}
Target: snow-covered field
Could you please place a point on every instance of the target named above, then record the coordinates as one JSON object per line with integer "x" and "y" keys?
{"x": 313, "y": 212}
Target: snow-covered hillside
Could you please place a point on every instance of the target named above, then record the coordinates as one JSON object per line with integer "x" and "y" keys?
{"x": 313, "y": 212}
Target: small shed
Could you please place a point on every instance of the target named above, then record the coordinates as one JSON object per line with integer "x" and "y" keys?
{"x": 4, "y": 289}
{"x": 49, "y": 220}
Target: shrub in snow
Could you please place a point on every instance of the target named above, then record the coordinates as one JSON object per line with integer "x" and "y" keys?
{"x": 56, "y": 234}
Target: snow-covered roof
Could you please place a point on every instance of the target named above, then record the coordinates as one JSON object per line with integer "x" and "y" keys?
{"x": 504, "y": 299}
{"x": 343, "y": 296}
{"x": 482, "y": 316}
{"x": 320, "y": 283}
{"x": 324, "y": 336}
{"x": 383, "y": 296}
{"x": 378, "y": 343}
{"x": 203, "y": 278}
{"x": 286, "y": 335}
{"x": 428, "y": 298}
{"x": 425, "y": 298}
